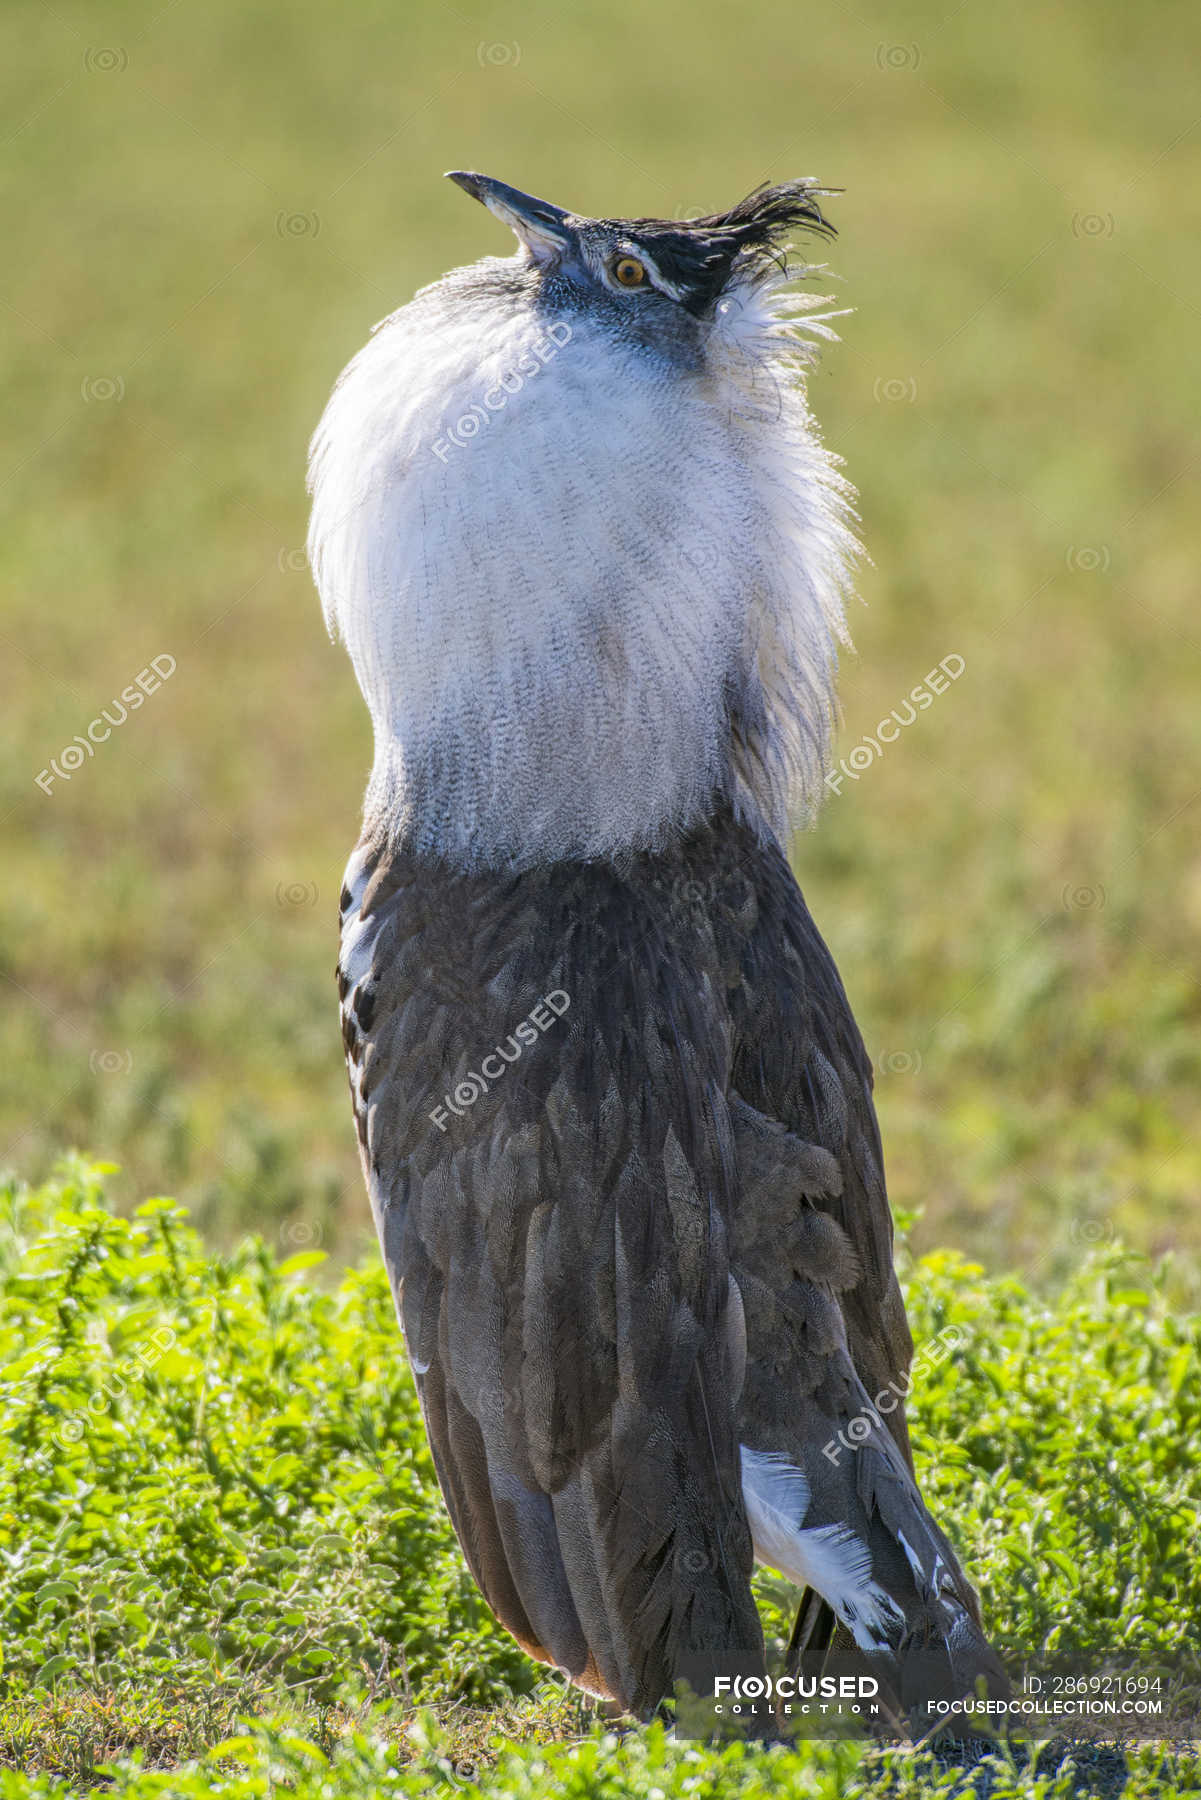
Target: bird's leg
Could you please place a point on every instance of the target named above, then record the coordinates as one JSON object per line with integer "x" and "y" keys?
{"x": 812, "y": 1631}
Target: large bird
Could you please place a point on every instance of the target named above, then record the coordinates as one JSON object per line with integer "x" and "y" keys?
{"x": 574, "y": 523}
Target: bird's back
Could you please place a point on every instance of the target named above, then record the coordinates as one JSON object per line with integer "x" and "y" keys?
{"x": 619, "y": 1138}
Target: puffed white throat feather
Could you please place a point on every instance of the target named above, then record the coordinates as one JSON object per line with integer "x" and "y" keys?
{"x": 590, "y": 588}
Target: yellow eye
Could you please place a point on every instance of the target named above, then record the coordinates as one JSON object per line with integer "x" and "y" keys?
{"x": 628, "y": 272}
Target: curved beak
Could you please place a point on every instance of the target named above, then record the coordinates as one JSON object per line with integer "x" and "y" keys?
{"x": 541, "y": 227}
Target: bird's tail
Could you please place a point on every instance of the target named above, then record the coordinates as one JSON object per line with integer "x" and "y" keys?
{"x": 886, "y": 1592}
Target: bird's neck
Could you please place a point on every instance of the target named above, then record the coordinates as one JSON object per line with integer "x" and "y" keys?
{"x": 582, "y": 619}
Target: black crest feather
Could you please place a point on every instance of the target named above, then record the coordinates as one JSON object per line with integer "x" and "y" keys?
{"x": 699, "y": 255}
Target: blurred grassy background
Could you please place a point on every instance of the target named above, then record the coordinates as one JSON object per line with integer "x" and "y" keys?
{"x": 204, "y": 211}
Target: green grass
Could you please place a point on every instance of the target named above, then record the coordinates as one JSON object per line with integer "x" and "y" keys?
{"x": 209, "y": 207}
{"x": 220, "y": 1533}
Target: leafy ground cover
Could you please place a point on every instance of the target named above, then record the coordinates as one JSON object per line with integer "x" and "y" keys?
{"x": 224, "y": 1565}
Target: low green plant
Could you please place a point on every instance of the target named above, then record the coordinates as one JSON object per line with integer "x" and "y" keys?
{"x": 225, "y": 1565}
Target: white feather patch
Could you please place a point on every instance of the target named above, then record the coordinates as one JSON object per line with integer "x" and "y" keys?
{"x": 911, "y": 1557}
{"x": 829, "y": 1558}
{"x": 358, "y": 934}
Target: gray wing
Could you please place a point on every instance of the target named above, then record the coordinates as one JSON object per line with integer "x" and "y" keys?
{"x": 828, "y": 1476}
{"x": 799, "y": 1061}
{"x": 556, "y": 1230}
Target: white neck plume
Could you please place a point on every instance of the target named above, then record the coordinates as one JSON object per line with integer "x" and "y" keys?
{"x": 585, "y": 592}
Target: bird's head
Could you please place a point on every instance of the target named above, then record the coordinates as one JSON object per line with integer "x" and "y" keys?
{"x": 662, "y": 281}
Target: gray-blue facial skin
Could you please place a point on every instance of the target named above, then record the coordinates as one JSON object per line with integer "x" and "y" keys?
{"x": 560, "y": 272}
